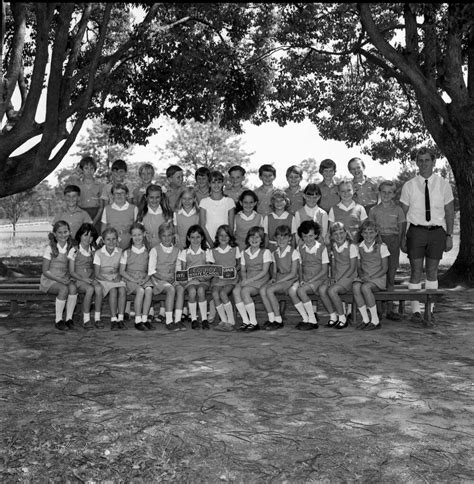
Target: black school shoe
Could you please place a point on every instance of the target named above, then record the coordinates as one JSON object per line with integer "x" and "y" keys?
{"x": 149, "y": 325}
{"x": 308, "y": 326}
{"x": 195, "y": 324}
{"x": 70, "y": 325}
{"x": 121, "y": 325}
{"x": 140, "y": 327}
{"x": 61, "y": 325}
{"x": 252, "y": 327}
{"x": 274, "y": 326}
{"x": 114, "y": 325}
{"x": 205, "y": 324}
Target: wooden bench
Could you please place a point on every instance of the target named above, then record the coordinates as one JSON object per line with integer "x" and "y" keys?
{"x": 16, "y": 292}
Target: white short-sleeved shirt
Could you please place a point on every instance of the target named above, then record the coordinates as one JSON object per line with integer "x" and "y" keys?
{"x": 353, "y": 251}
{"x": 413, "y": 195}
{"x": 119, "y": 209}
{"x": 314, "y": 249}
{"x": 267, "y": 255}
{"x": 384, "y": 252}
{"x": 294, "y": 257}
{"x": 135, "y": 250}
{"x": 73, "y": 253}
{"x": 47, "y": 251}
{"x": 104, "y": 251}
{"x": 217, "y": 213}
{"x": 210, "y": 255}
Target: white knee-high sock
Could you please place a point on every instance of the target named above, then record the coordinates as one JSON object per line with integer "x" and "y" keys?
{"x": 365, "y": 314}
{"x": 203, "y": 310}
{"x": 374, "y": 316}
{"x": 229, "y": 312}
{"x": 59, "y": 309}
{"x": 415, "y": 305}
{"x": 309, "y": 309}
{"x": 243, "y": 312}
{"x": 192, "y": 310}
{"x": 221, "y": 312}
{"x": 70, "y": 305}
{"x": 302, "y": 311}
{"x": 251, "y": 312}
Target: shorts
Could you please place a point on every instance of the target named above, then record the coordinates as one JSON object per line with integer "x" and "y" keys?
{"x": 422, "y": 242}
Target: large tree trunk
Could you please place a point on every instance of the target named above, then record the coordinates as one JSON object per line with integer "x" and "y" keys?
{"x": 462, "y": 271}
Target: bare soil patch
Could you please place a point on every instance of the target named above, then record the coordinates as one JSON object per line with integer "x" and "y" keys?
{"x": 394, "y": 405}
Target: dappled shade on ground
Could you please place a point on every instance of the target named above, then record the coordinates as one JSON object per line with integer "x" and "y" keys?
{"x": 394, "y": 405}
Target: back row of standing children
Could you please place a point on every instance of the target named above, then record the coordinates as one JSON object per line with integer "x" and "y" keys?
{"x": 285, "y": 208}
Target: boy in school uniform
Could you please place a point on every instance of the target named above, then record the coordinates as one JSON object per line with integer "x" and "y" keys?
{"x": 91, "y": 190}
{"x": 118, "y": 172}
{"x": 390, "y": 218}
{"x": 328, "y": 187}
{"x": 72, "y": 214}
{"x": 294, "y": 175}
{"x": 174, "y": 188}
{"x": 236, "y": 178}
{"x": 146, "y": 173}
{"x": 203, "y": 178}
{"x": 365, "y": 189}
{"x": 267, "y": 175}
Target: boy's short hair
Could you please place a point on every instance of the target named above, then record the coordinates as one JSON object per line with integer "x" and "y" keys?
{"x": 146, "y": 166}
{"x": 203, "y": 171}
{"x": 172, "y": 170}
{"x": 387, "y": 183}
{"x": 344, "y": 182}
{"x": 294, "y": 169}
{"x": 355, "y": 159}
{"x": 306, "y": 226}
{"x": 72, "y": 189}
{"x": 283, "y": 230}
{"x": 119, "y": 165}
{"x": 266, "y": 168}
{"x": 120, "y": 186}
{"x": 236, "y": 168}
{"x": 87, "y": 160}
{"x": 216, "y": 175}
{"x": 327, "y": 163}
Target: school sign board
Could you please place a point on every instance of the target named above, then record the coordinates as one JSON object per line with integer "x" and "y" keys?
{"x": 207, "y": 271}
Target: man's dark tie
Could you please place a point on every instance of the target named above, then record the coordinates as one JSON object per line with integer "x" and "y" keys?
{"x": 427, "y": 202}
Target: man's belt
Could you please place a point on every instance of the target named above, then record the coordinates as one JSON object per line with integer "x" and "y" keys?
{"x": 428, "y": 227}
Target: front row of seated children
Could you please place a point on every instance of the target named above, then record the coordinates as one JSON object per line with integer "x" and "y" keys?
{"x": 71, "y": 267}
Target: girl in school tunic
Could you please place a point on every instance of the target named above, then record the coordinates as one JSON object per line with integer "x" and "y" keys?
{"x": 195, "y": 254}
{"x": 246, "y": 217}
{"x": 55, "y": 277}
{"x": 120, "y": 215}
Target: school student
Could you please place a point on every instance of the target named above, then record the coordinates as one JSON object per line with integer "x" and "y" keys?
{"x": 162, "y": 270}
{"x": 106, "y": 270}
{"x": 254, "y": 265}
{"x": 55, "y": 276}
{"x": 313, "y": 272}
{"x": 225, "y": 253}
{"x": 81, "y": 268}
{"x": 372, "y": 274}
{"x": 134, "y": 271}
{"x": 284, "y": 274}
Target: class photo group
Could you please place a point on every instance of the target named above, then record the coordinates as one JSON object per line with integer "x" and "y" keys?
{"x": 211, "y": 248}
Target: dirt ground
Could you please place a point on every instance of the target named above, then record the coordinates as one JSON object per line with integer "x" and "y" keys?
{"x": 395, "y": 405}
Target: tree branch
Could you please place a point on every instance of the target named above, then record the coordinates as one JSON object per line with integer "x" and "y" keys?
{"x": 413, "y": 73}
{"x": 14, "y": 64}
